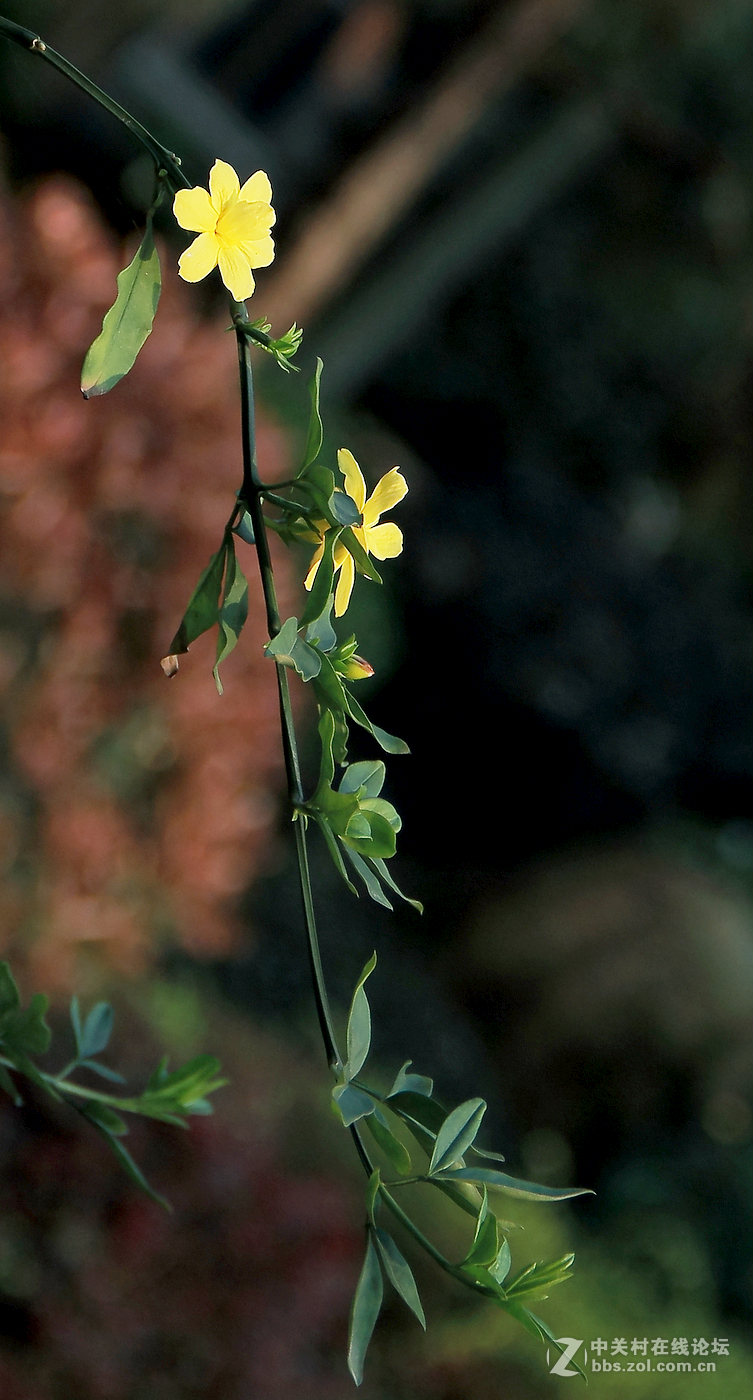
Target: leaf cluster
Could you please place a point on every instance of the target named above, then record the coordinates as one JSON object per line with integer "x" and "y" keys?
{"x": 456, "y": 1166}
{"x": 171, "y": 1096}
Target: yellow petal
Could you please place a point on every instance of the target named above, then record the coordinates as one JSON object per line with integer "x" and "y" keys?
{"x": 308, "y": 582}
{"x": 256, "y": 187}
{"x": 224, "y": 185}
{"x": 236, "y": 273}
{"x": 385, "y": 495}
{"x": 245, "y": 222}
{"x": 384, "y": 541}
{"x": 259, "y": 251}
{"x": 354, "y": 482}
{"x": 344, "y": 586}
{"x": 199, "y": 259}
{"x": 193, "y": 210}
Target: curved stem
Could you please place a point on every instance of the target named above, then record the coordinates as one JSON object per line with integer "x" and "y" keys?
{"x": 27, "y": 39}
{"x": 251, "y": 496}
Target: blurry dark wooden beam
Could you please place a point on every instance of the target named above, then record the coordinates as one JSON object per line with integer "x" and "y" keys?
{"x": 383, "y": 182}
{"x": 388, "y": 310}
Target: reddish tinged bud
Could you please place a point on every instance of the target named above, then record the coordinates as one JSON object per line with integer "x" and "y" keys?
{"x": 355, "y": 668}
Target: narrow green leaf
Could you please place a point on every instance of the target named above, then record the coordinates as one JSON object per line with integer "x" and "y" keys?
{"x": 28, "y": 1033}
{"x": 367, "y": 1304}
{"x": 358, "y": 1036}
{"x": 503, "y": 1262}
{"x": 76, "y": 1023}
{"x": 359, "y": 1033}
{"x": 373, "y": 887}
{"x": 327, "y": 762}
{"x": 128, "y": 322}
{"x": 316, "y": 430}
{"x": 372, "y": 1195}
{"x": 360, "y": 557}
{"x": 203, "y": 610}
{"x": 134, "y": 1172}
{"x": 352, "y": 1103}
{"x": 7, "y": 1084}
{"x": 413, "y": 1083}
{"x": 394, "y": 1150}
{"x": 399, "y": 1273}
{"x": 104, "y": 1117}
{"x": 480, "y": 1274}
{"x": 320, "y": 633}
{"x": 485, "y": 1245}
{"x": 334, "y": 850}
{"x": 368, "y": 775}
{"x": 103, "y": 1070}
{"x": 319, "y": 605}
{"x": 456, "y": 1134}
{"x": 9, "y": 998}
{"x": 384, "y": 874}
{"x": 539, "y": 1329}
{"x": 234, "y": 610}
{"x": 522, "y": 1190}
{"x": 484, "y": 1152}
{"x": 422, "y": 1115}
{"x": 97, "y": 1029}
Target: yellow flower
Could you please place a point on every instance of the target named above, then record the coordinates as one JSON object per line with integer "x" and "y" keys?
{"x": 233, "y": 224}
{"x": 383, "y": 541}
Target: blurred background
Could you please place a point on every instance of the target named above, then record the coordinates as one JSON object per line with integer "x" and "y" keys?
{"x": 520, "y": 236}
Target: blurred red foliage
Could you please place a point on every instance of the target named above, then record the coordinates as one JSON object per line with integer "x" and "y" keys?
{"x": 133, "y": 808}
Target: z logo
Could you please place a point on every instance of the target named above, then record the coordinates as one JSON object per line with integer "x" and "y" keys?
{"x": 560, "y": 1367}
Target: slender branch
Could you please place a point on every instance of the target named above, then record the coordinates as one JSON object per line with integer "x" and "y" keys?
{"x": 27, "y": 39}
{"x": 251, "y": 495}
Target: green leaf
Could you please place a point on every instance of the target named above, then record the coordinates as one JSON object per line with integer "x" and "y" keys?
{"x": 97, "y": 1030}
{"x": 412, "y": 1083}
{"x": 27, "y": 1033}
{"x": 9, "y": 998}
{"x": 244, "y": 529}
{"x": 372, "y": 1195}
{"x": 358, "y": 1037}
{"x": 360, "y": 557}
{"x": 280, "y": 647}
{"x": 367, "y": 1304}
{"x": 383, "y": 809}
{"x": 369, "y": 775}
{"x": 203, "y": 610}
{"x": 389, "y": 742}
{"x": 539, "y": 1330}
{"x": 538, "y": 1279}
{"x": 76, "y": 1023}
{"x": 485, "y": 1245}
{"x": 190, "y": 1082}
{"x": 521, "y": 1190}
{"x": 129, "y": 1166}
{"x": 104, "y": 1117}
{"x": 320, "y": 633}
{"x": 102, "y": 1070}
{"x": 352, "y": 1103}
{"x": 344, "y": 508}
{"x": 128, "y": 322}
{"x": 316, "y": 431}
{"x": 326, "y": 728}
{"x": 394, "y": 1150}
{"x": 367, "y": 832}
{"x": 334, "y": 850}
{"x": 7, "y": 1084}
{"x": 503, "y": 1262}
{"x": 423, "y": 1116}
{"x": 456, "y": 1134}
{"x": 319, "y": 602}
{"x": 373, "y": 887}
{"x": 484, "y": 1152}
{"x": 480, "y": 1274}
{"x": 399, "y": 1273}
{"x": 384, "y": 874}
{"x": 234, "y": 610}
